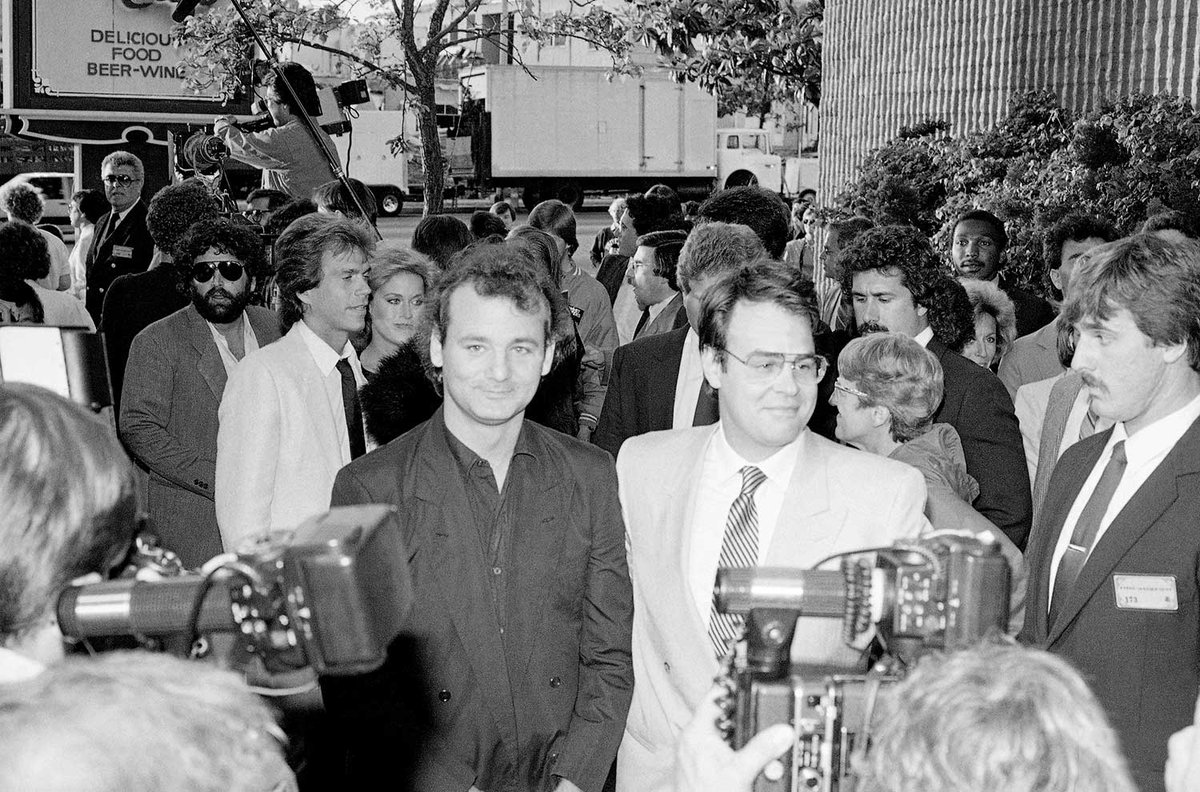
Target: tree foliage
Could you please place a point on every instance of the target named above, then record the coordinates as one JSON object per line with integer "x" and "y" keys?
{"x": 1133, "y": 157}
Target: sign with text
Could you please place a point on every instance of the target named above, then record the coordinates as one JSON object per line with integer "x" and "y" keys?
{"x": 107, "y": 48}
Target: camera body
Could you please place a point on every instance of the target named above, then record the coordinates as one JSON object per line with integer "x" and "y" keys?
{"x": 945, "y": 591}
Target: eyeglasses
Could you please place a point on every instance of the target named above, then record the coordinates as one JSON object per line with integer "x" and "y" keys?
{"x": 202, "y": 271}
{"x": 765, "y": 366}
{"x": 113, "y": 179}
{"x": 840, "y": 384}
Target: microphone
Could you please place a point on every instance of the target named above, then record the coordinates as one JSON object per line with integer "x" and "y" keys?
{"x": 184, "y": 9}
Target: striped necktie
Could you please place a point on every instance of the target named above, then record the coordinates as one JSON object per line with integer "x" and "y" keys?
{"x": 739, "y": 549}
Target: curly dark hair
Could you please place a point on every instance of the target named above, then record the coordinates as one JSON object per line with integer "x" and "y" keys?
{"x": 225, "y": 236}
{"x": 1074, "y": 227}
{"x": 653, "y": 213}
{"x": 904, "y": 250}
{"x": 24, "y": 254}
{"x": 176, "y": 208}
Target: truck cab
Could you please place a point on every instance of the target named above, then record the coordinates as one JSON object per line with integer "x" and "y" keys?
{"x": 744, "y": 157}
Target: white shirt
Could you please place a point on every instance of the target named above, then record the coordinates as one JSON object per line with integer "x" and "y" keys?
{"x": 1144, "y": 452}
{"x": 249, "y": 344}
{"x": 688, "y": 383}
{"x": 924, "y": 337}
{"x": 626, "y": 313}
{"x": 720, "y": 484}
{"x": 327, "y": 359}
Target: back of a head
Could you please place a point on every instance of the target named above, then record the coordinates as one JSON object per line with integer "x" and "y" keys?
{"x": 715, "y": 249}
{"x": 441, "y": 237}
{"x": 181, "y": 726}
{"x": 92, "y": 204}
{"x": 176, "y": 208}
{"x": 541, "y": 247}
{"x": 22, "y": 201}
{"x": 24, "y": 254}
{"x": 305, "y": 88}
{"x": 484, "y": 224}
{"x": 668, "y": 194}
{"x": 650, "y": 213}
{"x": 757, "y": 207}
{"x": 504, "y": 209}
{"x": 996, "y": 717}
{"x": 555, "y": 217}
{"x": 278, "y": 221}
{"x": 67, "y": 498}
{"x": 274, "y": 198}
{"x": 332, "y": 196}
{"x": 1183, "y": 224}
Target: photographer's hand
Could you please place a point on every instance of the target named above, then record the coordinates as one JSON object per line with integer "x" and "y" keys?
{"x": 705, "y": 763}
{"x": 1183, "y": 757}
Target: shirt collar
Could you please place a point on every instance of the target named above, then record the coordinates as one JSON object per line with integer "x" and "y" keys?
{"x": 468, "y": 458}
{"x": 323, "y": 354}
{"x": 1159, "y": 437}
{"x": 924, "y": 337}
{"x": 778, "y": 467}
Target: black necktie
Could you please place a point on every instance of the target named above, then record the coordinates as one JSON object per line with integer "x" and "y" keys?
{"x": 642, "y": 322}
{"x": 354, "y": 424}
{"x": 707, "y": 406}
{"x": 1086, "y": 528}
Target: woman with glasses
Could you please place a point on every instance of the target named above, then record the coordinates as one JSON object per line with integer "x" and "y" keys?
{"x": 886, "y": 394}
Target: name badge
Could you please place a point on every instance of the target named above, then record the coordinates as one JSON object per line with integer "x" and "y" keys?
{"x": 1146, "y": 592}
{"x": 122, "y": 251}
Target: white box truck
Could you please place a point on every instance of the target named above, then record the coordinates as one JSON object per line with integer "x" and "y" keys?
{"x": 367, "y": 156}
{"x": 565, "y": 131}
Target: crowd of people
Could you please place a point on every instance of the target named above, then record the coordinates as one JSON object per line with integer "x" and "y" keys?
{"x": 576, "y": 444}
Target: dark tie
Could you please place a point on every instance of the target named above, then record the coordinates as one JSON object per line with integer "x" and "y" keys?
{"x": 354, "y": 424}
{"x": 739, "y": 550}
{"x": 1085, "y": 531}
{"x": 707, "y": 406}
{"x": 642, "y": 322}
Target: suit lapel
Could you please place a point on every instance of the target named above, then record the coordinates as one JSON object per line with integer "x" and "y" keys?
{"x": 1153, "y": 498}
{"x": 317, "y": 402}
{"x": 660, "y": 394}
{"x": 210, "y": 365}
{"x": 806, "y": 497}
{"x": 457, "y": 553}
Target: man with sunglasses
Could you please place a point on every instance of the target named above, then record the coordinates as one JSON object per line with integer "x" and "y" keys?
{"x": 176, "y": 376}
{"x": 758, "y": 488}
{"x": 120, "y": 244}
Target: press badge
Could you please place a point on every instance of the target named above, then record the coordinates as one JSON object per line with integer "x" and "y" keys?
{"x": 122, "y": 251}
{"x": 1146, "y": 592}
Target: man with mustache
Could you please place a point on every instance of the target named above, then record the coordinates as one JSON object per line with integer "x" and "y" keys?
{"x": 896, "y": 284}
{"x": 1113, "y": 558}
{"x": 290, "y": 417}
{"x": 177, "y": 370}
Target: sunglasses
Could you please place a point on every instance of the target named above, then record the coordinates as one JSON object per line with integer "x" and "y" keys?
{"x": 121, "y": 179}
{"x": 202, "y": 271}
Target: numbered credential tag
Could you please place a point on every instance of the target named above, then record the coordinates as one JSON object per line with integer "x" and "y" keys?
{"x": 1146, "y": 592}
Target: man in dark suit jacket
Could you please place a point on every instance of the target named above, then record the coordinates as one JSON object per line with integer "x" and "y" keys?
{"x": 1114, "y": 558}
{"x": 518, "y": 640}
{"x": 896, "y": 284}
{"x": 121, "y": 243}
{"x": 177, "y": 374}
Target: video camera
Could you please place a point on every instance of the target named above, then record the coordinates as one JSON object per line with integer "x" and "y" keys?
{"x": 331, "y": 595}
{"x": 945, "y": 591}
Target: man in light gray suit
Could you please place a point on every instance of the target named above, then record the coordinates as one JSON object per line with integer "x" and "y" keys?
{"x": 176, "y": 376}
{"x": 756, "y": 488}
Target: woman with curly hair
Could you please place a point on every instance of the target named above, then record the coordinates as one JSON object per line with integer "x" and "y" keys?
{"x": 995, "y": 323}
{"x": 24, "y": 259}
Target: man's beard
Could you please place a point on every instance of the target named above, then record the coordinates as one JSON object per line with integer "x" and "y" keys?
{"x": 871, "y": 327}
{"x": 221, "y": 312}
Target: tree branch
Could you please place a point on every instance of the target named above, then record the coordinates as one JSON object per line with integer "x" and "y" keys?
{"x": 472, "y": 5}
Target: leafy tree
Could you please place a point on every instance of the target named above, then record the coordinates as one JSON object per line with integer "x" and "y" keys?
{"x": 216, "y": 44}
{"x": 1133, "y": 157}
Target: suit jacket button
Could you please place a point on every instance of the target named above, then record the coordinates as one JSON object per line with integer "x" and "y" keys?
{"x": 444, "y": 695}
{"x": 555, "y": 682}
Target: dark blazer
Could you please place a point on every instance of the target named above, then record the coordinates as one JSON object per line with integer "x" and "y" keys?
{"x": 1143, "y": 665}
{"x": 133, "y": 303}
{"x": 169, "y": 423}
{"x": 551, "y": 698}
{"x": 115, "y": 252}
{"x": 977, "y": 405}
{"x": 667, "y": 319}
{"x": 641, "y": 389}
{"x": 1033, "y": 313}
{"x": 611, "y": 273}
